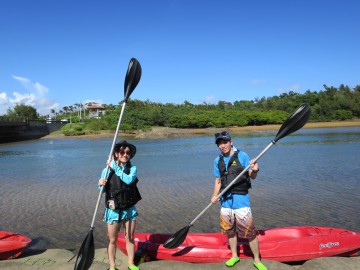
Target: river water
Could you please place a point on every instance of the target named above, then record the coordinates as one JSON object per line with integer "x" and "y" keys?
{"x": 49, "y": 186}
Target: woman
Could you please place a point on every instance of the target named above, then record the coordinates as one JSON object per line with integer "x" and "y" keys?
{"x": 121, "y": 198}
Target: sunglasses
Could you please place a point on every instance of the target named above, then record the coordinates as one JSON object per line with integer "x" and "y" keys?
{"x": 224, "y": 133}
{"x": 122, "y": 152}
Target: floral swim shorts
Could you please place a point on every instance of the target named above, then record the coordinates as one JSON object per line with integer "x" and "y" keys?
{"x": 238, "y": 221}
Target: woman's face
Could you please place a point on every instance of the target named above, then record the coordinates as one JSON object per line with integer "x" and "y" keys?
{"x": 123, "y": 154}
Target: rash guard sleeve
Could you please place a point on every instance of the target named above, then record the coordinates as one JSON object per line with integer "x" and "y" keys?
{"x": 126, "y": 178}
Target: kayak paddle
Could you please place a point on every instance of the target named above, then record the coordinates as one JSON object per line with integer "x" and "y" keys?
{"x": 86, "y": 253}
{"x": 295, "y": 121}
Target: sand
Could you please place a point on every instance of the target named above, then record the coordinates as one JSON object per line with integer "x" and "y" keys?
{"x": 60, "y": 259}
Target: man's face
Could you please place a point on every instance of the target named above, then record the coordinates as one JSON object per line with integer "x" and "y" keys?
{"x": 224, "y": 146}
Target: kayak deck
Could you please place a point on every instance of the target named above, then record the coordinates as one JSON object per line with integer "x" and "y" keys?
{"x": 287, "y": 244}
{"x": 12, "y": 245}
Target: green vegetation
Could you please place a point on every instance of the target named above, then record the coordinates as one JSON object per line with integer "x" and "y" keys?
{"x": 73, "y": 129}
{"x": 22, "y": 111}
{"x": 342, "y": 103}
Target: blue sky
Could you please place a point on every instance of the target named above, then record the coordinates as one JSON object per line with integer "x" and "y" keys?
{"x": 58, "y": 53}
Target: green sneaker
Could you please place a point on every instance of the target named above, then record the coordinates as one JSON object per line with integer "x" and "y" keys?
{"x": 260, "y": 266}
{"x": 133, "y": 267}
{"x": 232, "y": 262}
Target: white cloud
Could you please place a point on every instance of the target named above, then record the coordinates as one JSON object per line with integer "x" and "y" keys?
{"x": 42, "y": 90}
{"x": 28, "y": 85}
{"x": 3, "y": 103}
{"x": 3, "y": 97}
{"x": 27, "y": 99}
{"x": 34, "y": 95}
{"x": 24, "y": 81}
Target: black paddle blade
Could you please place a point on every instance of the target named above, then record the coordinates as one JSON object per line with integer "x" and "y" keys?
{"x": 86, "y": 253}
{"x": 132, "y": 78}
{"x": 295, "y": 121}
{"x": 177, "y": 238}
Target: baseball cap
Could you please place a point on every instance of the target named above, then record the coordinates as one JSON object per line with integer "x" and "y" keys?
{"x": 222, "y": 136}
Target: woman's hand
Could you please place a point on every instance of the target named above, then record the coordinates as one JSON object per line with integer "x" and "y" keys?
{"x": 102, "y": 182}
{"x": 108, "y": 163}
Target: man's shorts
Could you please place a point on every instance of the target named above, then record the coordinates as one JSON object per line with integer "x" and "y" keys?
{"x": 237, "y": 221}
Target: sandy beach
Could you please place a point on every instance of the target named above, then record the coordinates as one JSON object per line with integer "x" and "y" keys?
{"x": 60, "y": 259}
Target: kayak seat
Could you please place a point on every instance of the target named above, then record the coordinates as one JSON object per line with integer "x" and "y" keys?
{"x": 158, "y": 238}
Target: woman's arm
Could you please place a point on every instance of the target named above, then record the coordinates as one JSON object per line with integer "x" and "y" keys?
{"x": 102, "y": 180}
{"x": 126, "y": 178}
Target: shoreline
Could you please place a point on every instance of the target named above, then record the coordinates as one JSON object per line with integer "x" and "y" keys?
{"x": 166, "y": 132}
{"x": 62, "y": 259}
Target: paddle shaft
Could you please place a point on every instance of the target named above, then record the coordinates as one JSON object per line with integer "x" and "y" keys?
{"x": 231, "y": 183}
{"x": 107, "y": 167}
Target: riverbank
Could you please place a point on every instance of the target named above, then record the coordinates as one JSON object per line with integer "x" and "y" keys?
{"x": 166, "y": 132}
{"x": 60, "y": 259}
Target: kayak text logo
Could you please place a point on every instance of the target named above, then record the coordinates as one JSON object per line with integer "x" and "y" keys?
{"x": 329, "y": 245}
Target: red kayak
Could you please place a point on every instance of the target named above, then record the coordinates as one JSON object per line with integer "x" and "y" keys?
{"x": 12, "y": 245}
{"x": 287, "y": 244}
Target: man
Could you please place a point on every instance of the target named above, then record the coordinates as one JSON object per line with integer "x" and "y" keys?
{"x": 235, "y": 214}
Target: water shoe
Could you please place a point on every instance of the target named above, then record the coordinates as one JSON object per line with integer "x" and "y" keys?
{"x": 260, "y": 266}
{"x": 232, "y": 262}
